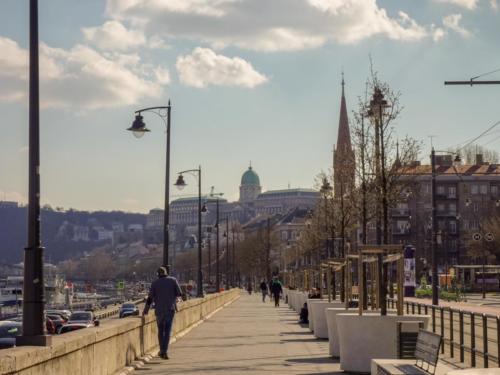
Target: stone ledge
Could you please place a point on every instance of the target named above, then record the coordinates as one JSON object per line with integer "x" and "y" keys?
{"x": 138, "y": 334}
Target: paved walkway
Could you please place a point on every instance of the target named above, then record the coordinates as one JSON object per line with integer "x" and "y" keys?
{"x": 251, "y": 337}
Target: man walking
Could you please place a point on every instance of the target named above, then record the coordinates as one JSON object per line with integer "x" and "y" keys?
{"x": 276, "y": 290}
{"x": 263, "y": 289}
{"x": 164, "y": 293}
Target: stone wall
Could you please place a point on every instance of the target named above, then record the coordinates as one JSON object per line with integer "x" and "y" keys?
{"x": 108, "y": 348}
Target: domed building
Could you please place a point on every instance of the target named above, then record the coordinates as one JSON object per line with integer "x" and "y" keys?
{"x": 250, "y": 186}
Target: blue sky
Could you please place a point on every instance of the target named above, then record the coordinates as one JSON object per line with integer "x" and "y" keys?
{"x": 249, "y": 80}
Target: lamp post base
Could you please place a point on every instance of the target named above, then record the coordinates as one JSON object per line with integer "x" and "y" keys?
{"x": 40, "y": 340}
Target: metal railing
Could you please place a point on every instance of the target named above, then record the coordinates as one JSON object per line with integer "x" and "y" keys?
{"x": 478, "y": 334}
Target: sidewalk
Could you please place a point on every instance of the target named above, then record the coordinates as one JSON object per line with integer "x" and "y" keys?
{"x": 247, "y": 336}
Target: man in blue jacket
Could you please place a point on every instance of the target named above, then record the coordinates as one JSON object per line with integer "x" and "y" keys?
{"x": 164, "y": 293}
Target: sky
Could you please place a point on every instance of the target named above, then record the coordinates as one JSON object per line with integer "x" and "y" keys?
{"x": 249, "y": 80}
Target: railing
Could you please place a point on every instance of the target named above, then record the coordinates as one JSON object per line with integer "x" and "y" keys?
{"x": 473, "y": 335}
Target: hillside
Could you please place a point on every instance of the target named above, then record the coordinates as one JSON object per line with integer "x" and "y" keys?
{"x": 58, "y": 231}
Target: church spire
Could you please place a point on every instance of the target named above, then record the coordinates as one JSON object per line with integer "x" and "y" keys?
{"x": 343, "y": 135}
{"x": 343, "y": 159}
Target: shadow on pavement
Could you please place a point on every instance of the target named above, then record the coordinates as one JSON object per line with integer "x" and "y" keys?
{"x": 317, "y": 360}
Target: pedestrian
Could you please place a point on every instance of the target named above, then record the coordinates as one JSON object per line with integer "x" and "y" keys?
{"x": 304, "y": 314}
{"x": 276, "y": 290}
{"x": 263, "y": 289}
{"x": 164, "y": 292}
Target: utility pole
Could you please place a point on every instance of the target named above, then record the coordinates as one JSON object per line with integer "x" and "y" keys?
{"x": 435, "y": 297}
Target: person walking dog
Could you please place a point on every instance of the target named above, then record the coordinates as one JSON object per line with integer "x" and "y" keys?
{"x": 164, "y": 292}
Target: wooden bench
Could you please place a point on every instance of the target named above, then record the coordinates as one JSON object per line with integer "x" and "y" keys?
{"x": 426, "y": 357}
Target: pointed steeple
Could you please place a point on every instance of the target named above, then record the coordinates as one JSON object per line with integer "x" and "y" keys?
{"x": 343, "y": 135}
{"x": 343, "y": 160}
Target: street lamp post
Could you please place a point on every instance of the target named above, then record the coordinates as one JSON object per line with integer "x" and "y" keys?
{"x": 180, "y": 183}
{"x": 34, "y": 294}
{"x": 226, "y": 234}
{"x": 217, "y": 249}
{"x": 138, "y": 128}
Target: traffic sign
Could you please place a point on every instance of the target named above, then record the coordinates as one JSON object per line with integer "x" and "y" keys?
{"x": 476, "y": 236}
{"x": 489, "y": 237}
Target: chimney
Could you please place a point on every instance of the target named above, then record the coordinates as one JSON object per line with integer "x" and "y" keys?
{"x": 479, "y": 159}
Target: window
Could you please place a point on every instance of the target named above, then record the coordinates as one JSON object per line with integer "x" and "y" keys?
{"x": 452, "y": 208}
{"x": 474, "y": 189}
{"x": 284, "y": 235}
{"x": 452, "y": 192}
{"x": 453, "y": 227}
{"x": 483, "y": 189}
{"x": 465, "y": 224}
{"x": 494, "y": 190}
{"x": 474, "y": 225}
{"x": 440, "y": 189}
{"x": 440, "y": 207}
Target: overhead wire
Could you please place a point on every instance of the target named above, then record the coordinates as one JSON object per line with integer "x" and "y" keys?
{"x": 485, "y": 74}
{"x": 480, "y": 135}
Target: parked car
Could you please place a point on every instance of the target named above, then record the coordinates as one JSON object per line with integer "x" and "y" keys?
{"x": 65, "y": 314}
{"x": 128, "y": 309}
{"x": 8, "y": 332}
{"x": 50, "y": 326}
{"x": 73, "y": 327}
{"x": 57, "y": 320}
{"x": 86, "y": 317}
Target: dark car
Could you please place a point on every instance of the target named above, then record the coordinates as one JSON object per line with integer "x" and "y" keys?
{"x": 128, "y": 309}
{"x": 85, "y": 317}
{"x": 8, "y": 332}
{"x": 73, "y": 327}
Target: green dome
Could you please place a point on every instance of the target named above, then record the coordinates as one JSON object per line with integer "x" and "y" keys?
{"x": 250, "y": 178}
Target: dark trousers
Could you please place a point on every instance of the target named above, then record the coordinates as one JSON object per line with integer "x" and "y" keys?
{"x": 164, "y": 322}
{"x": 276, "y": 299}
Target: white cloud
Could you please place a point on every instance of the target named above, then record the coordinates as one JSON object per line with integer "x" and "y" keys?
{"x": 452, "y": 22}
{"x": 203, "y": 67}
{"x": 13, "y": 69}
{"x": 211, "y": 8}
{"x": 112, "y": 35}
{"x": 467, "y": 4}
{"x": 162, "y": 75}
{"x": 494, "y": 5}
{"x": 438, "y": 34}
{"x": 264, "y": 25}
{"x": 80, "y": 77}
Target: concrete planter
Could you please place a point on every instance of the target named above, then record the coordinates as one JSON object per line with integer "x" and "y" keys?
{"x": 317, "y": 315}
{"x": 301, "y": 298}
{"x": 331, "y": 322}
{"x": 311, "y": 321}
{"x": 368, "y": 336}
